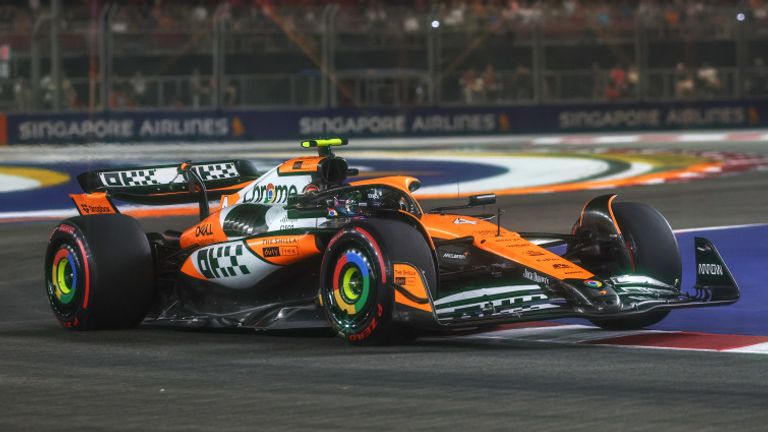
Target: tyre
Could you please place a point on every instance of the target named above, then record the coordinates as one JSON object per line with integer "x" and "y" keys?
{"x": 654, "y": 251}
{"x": 356, "y": 279}
{"x": 99, "y": 272}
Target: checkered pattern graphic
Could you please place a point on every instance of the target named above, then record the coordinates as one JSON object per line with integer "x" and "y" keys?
{"x": 221, "y": 262}
{"x": 216, "y": 171}
{"x": 144, "y": 177}
{"x": 497, "y": 307}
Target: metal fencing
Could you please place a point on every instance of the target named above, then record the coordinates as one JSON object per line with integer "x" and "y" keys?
{"x": 129, "y": 57}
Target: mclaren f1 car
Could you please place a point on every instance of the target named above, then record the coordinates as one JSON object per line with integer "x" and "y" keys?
{"x": 302, "y": 246}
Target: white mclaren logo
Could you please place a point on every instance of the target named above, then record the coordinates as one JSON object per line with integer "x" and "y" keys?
{"x": 462, "y": 221}
{"x": 711, "y": 269}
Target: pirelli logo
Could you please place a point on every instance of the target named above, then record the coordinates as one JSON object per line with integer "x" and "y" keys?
{"x": 222, "y": 262}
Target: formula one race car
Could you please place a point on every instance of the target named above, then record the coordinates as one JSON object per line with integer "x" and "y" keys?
{"x": 300, "y": 247}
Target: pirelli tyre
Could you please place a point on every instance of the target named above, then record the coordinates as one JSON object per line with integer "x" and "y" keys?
{"x": 99, "y": 272}
{"x": 356, "y": 279}
{"x": 654, "y": 251}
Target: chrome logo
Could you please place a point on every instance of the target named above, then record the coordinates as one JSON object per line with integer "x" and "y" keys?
{"x": 64, "y": 275}
{"x": 351, "y": 282}
{"x": 593, "y": 283}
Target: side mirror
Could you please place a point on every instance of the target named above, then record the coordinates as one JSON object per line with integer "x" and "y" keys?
{"x": 485, "y": 199}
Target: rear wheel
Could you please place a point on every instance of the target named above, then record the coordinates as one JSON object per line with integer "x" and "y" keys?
{"x": 654, "y": 252}
{"x": 99, "y": 272}
{"x": 356, "y": 290}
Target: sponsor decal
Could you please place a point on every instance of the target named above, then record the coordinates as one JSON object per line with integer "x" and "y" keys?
{"x": 69, "y": 229}
{"x": 271, "y": 251}
{"x": 171, "y": 127}
{"x": 652, "y": 118}
{"x": 535, "y": 277}
{"x": 462, "y": 221}
{"x": 146, "y": 177}
{"x": 400, "y": 124}
{"x": 710, "y": 269}
{"x": 95, "y": 209}
{"x": 123, "y": 128}
{"x": 534, "y": 253}
{"x": 298, "y": 164}
{"x": 560, "y": 266}
{"x": 277, "y": 241}
{"x": 289, "y": 250}
{"x": 340, "y": 125}
{"x": 593, "y": 283}
{"x": 371, "y": 327}
{"x": 456, "y": 256}
{"x": 64, "y": 274}
{"x": 454, "y": 123}
{"x": 269, "y": 193}
{"x": 75, "y": 129}
{"x": 203, "y": 230}
{"x": 221, "y": 262}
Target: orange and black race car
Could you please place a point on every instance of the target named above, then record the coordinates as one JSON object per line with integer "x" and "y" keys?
{"x": 300, "y": 246}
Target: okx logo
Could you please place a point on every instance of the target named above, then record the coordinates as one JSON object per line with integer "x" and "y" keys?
{"x": 269, "y": 193}
{"x": 221, "y": 261}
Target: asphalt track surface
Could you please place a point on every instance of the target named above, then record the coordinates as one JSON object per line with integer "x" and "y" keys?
{"x": 158, "y": 379}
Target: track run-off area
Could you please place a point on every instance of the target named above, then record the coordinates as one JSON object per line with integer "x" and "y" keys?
{"x": 703, "y": 369}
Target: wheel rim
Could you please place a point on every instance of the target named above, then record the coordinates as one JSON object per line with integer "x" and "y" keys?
{"x": 352, "y": 284}
{"x": 64, "y": 279}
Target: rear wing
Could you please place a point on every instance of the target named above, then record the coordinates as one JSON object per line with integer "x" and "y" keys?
{"x": 163, "y": 184}
{"x": 170, "y": 184}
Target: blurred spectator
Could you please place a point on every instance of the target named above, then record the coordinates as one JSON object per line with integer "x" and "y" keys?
{"x": 22, "y": 95}
{"x": 139, "y": 88}
{"x": 201, "y": 92}
{"x": 46, "y": 91}
{"x": 200, "y": 14}
{"x": 685, "y": 86}
{"x": 454, "y": 17}
{"x": 375, "y": 14}
{"x": 230, "y": 95}
{"x": 491, "y": 84}
{"x": 709, "y": 81}
{"x": 411, "y": 23}
{"x": 633, "y": 80}
{"x": 757, "y": 79}
{"x": 617, "y": 83}
{"x": 118, "y": 97}
{"x": 71, "y": 100}
{"x": 471, "y": 86}
{"x": 523, "y": 83}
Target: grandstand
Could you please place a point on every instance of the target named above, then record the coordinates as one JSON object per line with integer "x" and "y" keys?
{"x": 100, "y": 55}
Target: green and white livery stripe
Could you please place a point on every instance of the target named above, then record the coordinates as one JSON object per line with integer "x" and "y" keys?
{"x": 493, "y": 301}
{"x": 484, "y": 294}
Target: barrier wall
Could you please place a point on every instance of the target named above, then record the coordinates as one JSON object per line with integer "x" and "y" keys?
{"x": 226, "y": 125}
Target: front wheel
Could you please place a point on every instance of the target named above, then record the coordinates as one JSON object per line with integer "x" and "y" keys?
{"x": 356, "y": 290}
{"x": 654, "y": 252}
